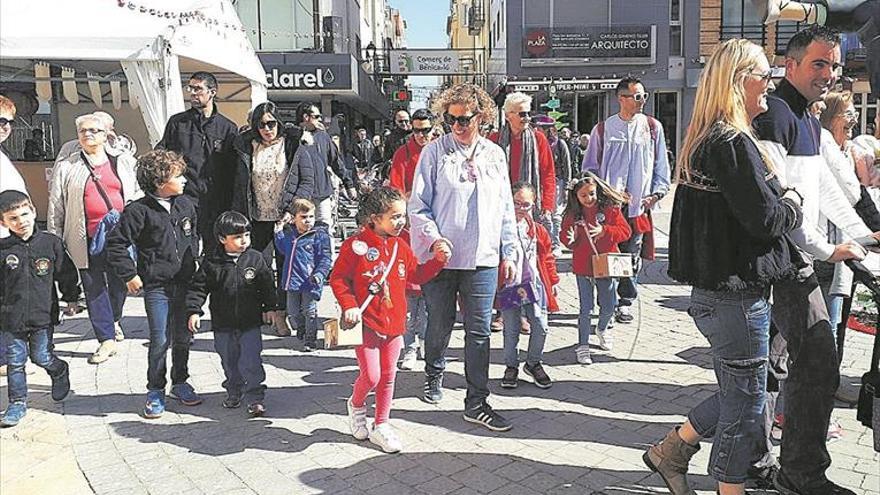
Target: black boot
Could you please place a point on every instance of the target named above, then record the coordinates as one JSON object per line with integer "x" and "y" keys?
{"x": 787, "y": 487}
{"x": 61, "y": 382}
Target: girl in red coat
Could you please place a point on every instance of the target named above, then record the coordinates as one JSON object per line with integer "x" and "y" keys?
{"x": 537, "y": 268}
{"x": 593, "y": 211}
{"x": 369, "y": 281}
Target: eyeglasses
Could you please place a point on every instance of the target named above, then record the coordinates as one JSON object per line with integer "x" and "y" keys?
{"x": 462, "y": 120}
{"x": 851, "y": 115}
{"x": 403, "y": 121}
{"x": 425, "y": 131}
{"x": 523, "y": 205}
{"x": 269, "y": 124}
{"x": 4, "y": 121}
{"x": 640, "y": 97}
{"x": 195, "y": 89}
{"x": 764, "y": 76}
{"x": 90, "y": 130}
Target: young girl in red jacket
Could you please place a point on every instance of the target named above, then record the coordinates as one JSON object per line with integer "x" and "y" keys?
{"x": 593, "y": 212}
{"x": 376, "y": 264}
{"x": 537, "y": 267}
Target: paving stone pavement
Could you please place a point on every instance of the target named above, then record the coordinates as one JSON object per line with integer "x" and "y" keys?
{"x": 585, "y": 435}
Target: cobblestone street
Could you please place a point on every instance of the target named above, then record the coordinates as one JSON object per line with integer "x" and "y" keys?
{"x": 585, "y": 435}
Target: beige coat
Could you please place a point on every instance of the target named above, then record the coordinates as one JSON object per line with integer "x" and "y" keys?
{"x": 66, "y": 217}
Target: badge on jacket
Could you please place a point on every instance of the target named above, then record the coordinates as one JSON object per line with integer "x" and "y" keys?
{"x": 12, "y": 262}
{"x": 187, "y": 226}
{"x": 359, "y": 247}
{"x": 250, "y": 274}
{"x": 41, "y": 265}
{"x": 600, "y": 217}
{"x": 218, "y": 145}
{"x": 372, "y": 254}
{"x": 401, "y": 270}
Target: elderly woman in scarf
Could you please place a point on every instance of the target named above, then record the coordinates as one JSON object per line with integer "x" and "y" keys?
{"x": 529, "y": 156}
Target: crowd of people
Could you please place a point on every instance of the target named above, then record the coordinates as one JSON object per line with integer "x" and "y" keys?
{"x": 459, "y": 222}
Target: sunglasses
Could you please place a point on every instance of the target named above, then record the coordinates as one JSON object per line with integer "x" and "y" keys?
{"x": 425, "y": 131}
{"x": 403, "y": 121}
{"x": 523, "y": 205}
{"x": 462, "y": 120}
{"x": 269, "y": 124}
{"x": 91, "y": 130}
{"x": 4, "y": 121}
{"x": 524, "y": 115}
{"x": 316, "y": 116}
{"x": 851, "y": 115}
{"x": 640, "y": 97}
{"x": 195, "y": 89}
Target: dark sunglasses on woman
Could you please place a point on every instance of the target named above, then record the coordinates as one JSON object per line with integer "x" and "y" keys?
{"x": 270, "y": 124}
{"x": 462, "y": 120}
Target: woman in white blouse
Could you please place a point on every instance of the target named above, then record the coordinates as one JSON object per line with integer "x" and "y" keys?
{"x": 267, "y": 161}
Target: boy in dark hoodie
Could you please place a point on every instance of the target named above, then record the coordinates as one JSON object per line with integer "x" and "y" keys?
{"x": 162, "y": 227}
{"x": 242, "y": 290}
{"x": 31, "y": 263}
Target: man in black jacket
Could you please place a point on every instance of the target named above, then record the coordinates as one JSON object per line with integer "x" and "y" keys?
{"x": 399, "y": 134}
{"x": 327, "y": 161}
{"x": 205, "y": 139}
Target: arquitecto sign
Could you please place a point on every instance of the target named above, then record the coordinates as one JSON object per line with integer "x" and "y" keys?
{"x": 589, "y": 45}
{"x": 425, "y": 62}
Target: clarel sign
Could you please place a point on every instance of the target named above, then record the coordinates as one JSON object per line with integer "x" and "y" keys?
{"x": 329, "y": 72}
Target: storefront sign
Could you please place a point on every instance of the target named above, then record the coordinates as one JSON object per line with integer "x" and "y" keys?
{"x": 589, "y": 45}
{"x": 425, "y": 62}
{"x": 306, "y": 75}
{"x": 564, "y": 87}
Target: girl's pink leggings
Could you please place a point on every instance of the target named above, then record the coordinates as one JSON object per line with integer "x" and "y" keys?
{"x": 377, "y": 359}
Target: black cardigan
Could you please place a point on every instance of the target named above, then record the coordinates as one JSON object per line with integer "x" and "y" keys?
{"x": 729, "y": 228}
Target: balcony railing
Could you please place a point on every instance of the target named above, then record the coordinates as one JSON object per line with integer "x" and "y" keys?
{"x": 476, "y": 19}
{"x": 784, "y": 32}
{"x": 752, "y": 32}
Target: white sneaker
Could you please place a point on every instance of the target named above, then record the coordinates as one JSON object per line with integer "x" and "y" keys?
{"x": 118, "y": 335}
{"x": 357, "y": 421}
{"x": 384, "y": 436}
{"x": 104, "y": 352}
{"x": 606, "y": 341}
{"x": 583, "y": 354}
{"x": 408, "y": 362}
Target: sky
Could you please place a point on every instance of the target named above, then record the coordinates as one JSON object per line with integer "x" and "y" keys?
{"x": 425, "y": 28}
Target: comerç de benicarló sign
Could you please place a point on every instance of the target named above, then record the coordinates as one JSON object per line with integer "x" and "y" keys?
{"x": 434, "y": 62}
{"x": 590, "y": 45}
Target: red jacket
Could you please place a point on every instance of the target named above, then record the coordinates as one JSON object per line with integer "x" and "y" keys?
{"x": 546, "y": 263}
{"x": 546, "y": 169}
{"x": 353, "y": 273}
{"x": 616, "y": 231}
{"x": 403, "y": 166}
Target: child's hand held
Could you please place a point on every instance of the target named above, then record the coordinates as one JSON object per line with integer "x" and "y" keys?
{"x": 194, "y": 323}
{"x": 134, "y": 285}
{"x": 351, "y": 317}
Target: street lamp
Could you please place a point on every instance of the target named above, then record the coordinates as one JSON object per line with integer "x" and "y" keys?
{"x": 370, "y": 52}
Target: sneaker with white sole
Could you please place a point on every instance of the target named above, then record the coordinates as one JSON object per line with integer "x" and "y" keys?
{"x": 486, "y": 416}
{"x": 357, "y": 421}
{"x": 583, "y": 354}
{"x": 118, "y": 335}
{"x": 105, "y": 351}
{"x": 623, "y": 315}
{"x": 384, "y": 436}
{"x": 408, "y": 362}
{"x": 606, "y": 340}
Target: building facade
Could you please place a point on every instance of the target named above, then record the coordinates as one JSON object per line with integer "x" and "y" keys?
{"x": 570, "y": 54}
{"x": 325, "y": 51}
{"x": 468, "y": 30}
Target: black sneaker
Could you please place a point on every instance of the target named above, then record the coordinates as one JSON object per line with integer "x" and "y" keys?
{"x": 308, "y": 347}
{"x": 61, "y": 383}
{"x": 784, "y": 485}
{"x": 484, "y": 415}
{"x": 256, "y": 409}
{"x": 232, "y": 401}
{"x": 623, "y": 315}
{"x": 433, "y": 390}
{"x": 510, "y": 377}
{"x": 542, "y": 380}
{"x": 762, "y": 478}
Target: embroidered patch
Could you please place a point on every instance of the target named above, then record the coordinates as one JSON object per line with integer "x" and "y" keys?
{"x": 374, "y": 288}
{"x": 12, "y": 262}
{"x": 600, "y": 217}
{"x": 186, "y": 225}
{"x": 250, "y": 273}
{"x": 359, "y": 247}
{"x": 41, "y": 265}
{"x": 372, "y": 254}
{"x": 401, "y": 270}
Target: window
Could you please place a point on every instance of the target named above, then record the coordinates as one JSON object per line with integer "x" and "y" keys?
{"x": 280, "y": 25}
{"x": 739, "y": 19}
{"x": 675, "y": 48}
{"x": 666, "y": 111}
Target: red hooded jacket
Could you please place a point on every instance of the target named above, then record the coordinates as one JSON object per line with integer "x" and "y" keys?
{"x": 361, "y": 262}
{"x": 616, "y": 230}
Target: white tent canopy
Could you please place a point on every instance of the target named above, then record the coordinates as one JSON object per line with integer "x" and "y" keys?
{"x": 146, "y": 37}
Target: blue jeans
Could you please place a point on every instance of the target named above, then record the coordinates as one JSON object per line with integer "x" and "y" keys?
{"x": 416, "y": 320}
{"x": 513, "y": 324}
{"x": 37, "y": 344}
{"x": 604, "y": 288}
{"x": 239, "y": 352}
{"x": 477, "y": 291}
{"x": 166, "y": 316}
{"x": 627, "y": 287}
{"x": 737, "y": 325}
{"x": 561, "y": 193}
{"x": 105, "y": 296}
{"x": 4, "y": 342}
{"x": 303, "y": 310}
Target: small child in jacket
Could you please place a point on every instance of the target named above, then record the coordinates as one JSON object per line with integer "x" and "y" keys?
{"x": 537, "y": 267}
{"x": 31, "y": 264}
{"x": 593, "y": 212}
{"x": 162, "y": 228}
{"x": 307, "y": 261}
{"x": 376, "y": 264}
{"x": 242, "y": 290}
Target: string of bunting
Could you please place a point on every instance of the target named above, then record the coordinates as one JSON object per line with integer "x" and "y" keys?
{"x": 188, "y": 17}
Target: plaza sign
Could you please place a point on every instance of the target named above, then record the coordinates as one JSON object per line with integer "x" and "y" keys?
{"x": 425, "y": 62}
{"x": 589, "y": 45}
